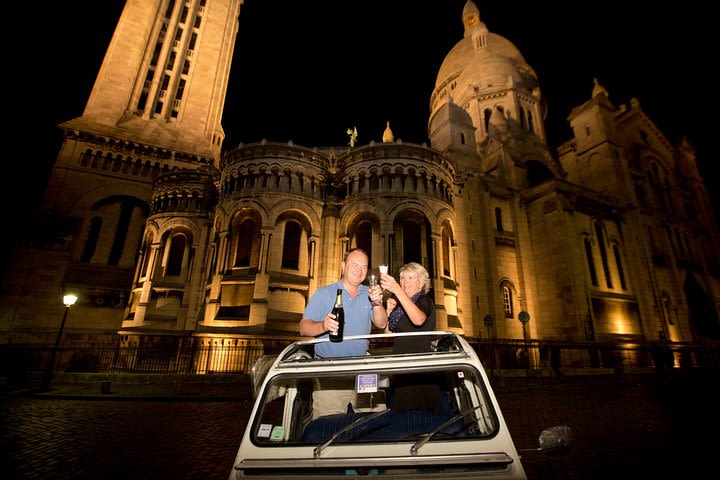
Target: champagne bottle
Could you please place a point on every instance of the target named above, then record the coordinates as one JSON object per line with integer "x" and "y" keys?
{"x": 339, "y": 313}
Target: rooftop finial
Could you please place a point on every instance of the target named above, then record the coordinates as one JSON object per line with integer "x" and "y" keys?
{"x": 388, "y": 134}
{"x": 598, "y": 89}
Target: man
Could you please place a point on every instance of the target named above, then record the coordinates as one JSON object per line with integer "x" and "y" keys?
{"x": 362, "y": 306}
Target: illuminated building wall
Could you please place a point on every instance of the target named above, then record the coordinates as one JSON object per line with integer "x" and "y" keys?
{"x": 610, "y": 237}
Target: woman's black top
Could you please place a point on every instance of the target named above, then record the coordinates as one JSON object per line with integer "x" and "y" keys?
{"x": 416, "y": 344}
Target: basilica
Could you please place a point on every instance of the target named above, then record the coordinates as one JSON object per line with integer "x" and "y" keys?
{"x": 168, "y": 238}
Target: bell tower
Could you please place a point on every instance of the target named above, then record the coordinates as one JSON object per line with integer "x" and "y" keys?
{"x": 155, "y": 107}
{"x": 164, "y": 77}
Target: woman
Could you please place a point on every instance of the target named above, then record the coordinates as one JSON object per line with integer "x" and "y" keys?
{"x": 410, "y": 309}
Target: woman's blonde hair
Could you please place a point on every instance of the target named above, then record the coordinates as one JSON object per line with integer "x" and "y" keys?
{"x": 422, "y": 274}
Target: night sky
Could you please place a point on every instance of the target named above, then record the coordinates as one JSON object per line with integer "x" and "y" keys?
{"x": 306, "y": 71}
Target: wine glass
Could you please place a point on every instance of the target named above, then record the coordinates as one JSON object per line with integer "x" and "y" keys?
{"x": 383, "y": 268}
{"x": 373, "y": 280}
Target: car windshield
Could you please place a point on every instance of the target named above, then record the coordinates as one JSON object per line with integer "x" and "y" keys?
{"x": 448, "y": 402}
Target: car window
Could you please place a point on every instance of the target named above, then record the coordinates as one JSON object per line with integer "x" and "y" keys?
{"x": 308, "y": 409}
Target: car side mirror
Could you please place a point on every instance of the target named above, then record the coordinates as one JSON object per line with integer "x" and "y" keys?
{"x": 557, "y": 439}
{"x": 261, "y": 367}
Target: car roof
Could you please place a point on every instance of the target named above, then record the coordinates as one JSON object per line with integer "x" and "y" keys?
{"x": 443, "y": 344}
{"x": 446, "y": 348}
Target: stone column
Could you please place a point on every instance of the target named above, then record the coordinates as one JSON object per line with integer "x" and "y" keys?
{"x": 436, "y": 240}
{"x": 147, "y": 284}
{"x": 265, "y": 251}
{"x": 220, "y": 252}
{"x": 311, "y": 257}
{"x": 453, "y": 265}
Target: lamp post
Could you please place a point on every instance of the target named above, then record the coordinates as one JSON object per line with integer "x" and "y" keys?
{"x": 488, "y": 319}
{"x": 524, "y": 318}
{"x": 488, "y": 323}
{"x": 69, "y": 300}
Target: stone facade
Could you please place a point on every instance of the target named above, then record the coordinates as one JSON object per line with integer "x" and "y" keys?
{"x": 609, "y": 238}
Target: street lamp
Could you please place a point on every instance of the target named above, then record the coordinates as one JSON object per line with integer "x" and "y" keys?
{"x": 488, "y": 323}
{"x": 488, "y": 319}
{"x": 69, "y": 300}
{"x": 524, "y": 318}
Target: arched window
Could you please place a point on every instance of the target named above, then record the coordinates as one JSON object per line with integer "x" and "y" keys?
{"x": 363, "y": 238}
{"x": 445, "y": 239}
{"x": 487, "y": 112}
{"x": 214, "y": 253}
{"x": 603, "y": 254}
{"x": 243, "y": 251}
{"x": 114, "y": 232}
{"x": 247, "y": 231}
{"x": 146, "y": 252}
{"x": 531, "y": 123}
{"x": 656, "y": 184}
{"x": 123, "y": 225}
{"x": 641, "y": 195}
{"x": 591, "y": 262}
{"x": 291, "y": 245}
{"x": 667, "y": 193}
{"x": 498, "y": 219}
{"x": 507, "y": 300}
{"x": 618, "y": 263}
{"x": 667, "y": 307}
{"x": 92, "y": 239}
{"x": 411, "y": 242}
{"x": 85, "y": 157}
{"x": 176, "y": 254}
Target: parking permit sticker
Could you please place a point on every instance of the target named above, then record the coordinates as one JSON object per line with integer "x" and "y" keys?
{"x": 264, "y": 430}
{"x": 278, "y": 432}
{"x": 366, "y": 383}
{"x": 461, "y": 374}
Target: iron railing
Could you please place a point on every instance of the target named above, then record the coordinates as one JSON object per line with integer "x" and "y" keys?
{"x": 548, "y": 357}
{"x": 533, "y": 356}
{"x": 182, "y": 359}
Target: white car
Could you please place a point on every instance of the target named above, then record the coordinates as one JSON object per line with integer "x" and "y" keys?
{"x": 431, "y": 414}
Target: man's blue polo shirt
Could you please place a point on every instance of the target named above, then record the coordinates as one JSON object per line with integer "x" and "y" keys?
{"x": 358, "y": 319}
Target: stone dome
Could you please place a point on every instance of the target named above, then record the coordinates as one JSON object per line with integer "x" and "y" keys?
{"x": 481, "y": 61}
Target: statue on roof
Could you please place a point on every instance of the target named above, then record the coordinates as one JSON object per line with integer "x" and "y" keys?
{"x": 353, "y": 136}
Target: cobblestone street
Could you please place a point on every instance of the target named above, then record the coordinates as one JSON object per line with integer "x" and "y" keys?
{"x": 626, "y": 426}
{"x": 640, "y": 426}
{"x": 88, "y": 439}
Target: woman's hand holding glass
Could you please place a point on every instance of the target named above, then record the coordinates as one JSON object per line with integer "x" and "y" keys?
{"x": 388, "y": 283}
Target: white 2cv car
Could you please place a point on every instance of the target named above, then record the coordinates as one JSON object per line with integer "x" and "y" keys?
{"x": 450, "y": 426}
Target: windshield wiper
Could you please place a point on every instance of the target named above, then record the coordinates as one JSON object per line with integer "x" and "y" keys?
{"x": 317, "y": 450}
{"x": 426, "y": 437}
